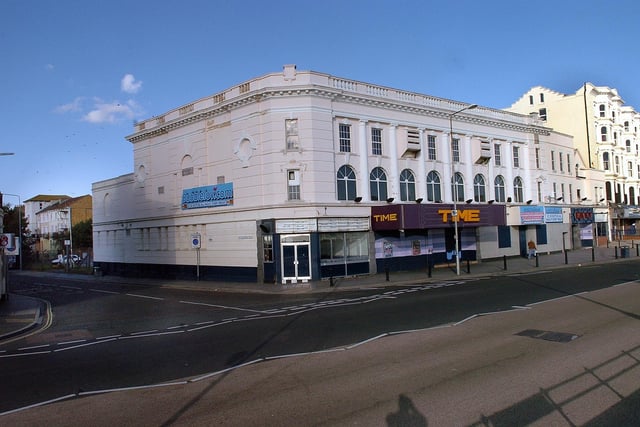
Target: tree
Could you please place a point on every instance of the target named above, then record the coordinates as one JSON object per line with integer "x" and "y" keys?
{"x": 11, "y": 223}
{"x": 83, "y": 234}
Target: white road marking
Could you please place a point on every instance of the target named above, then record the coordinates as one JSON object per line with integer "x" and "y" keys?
{"x": 145, "y": 296}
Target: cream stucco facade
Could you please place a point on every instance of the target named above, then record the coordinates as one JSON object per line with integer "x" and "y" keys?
{"x": 300, "y": 175}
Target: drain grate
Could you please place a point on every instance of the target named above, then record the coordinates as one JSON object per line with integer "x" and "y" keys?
{"x": 562, "y": 337}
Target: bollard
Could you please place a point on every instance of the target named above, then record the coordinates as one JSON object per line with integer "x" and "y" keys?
{"x": 331, "y": 281}
{"x": 504, "y": 260}
{"x": 468, "y": 267}
{"x": 637, "y": 250}
{"x": 537, "y": 263}
{"x": 615, "y": 250}
{"x": 566, "y": 259}
{"x": 386, "y": 272}
{"x": 593, "y": 253}
{"x": 429, "y": 268}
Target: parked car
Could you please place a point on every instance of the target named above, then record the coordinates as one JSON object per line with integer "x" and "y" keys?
{"x": 62, "y": 260}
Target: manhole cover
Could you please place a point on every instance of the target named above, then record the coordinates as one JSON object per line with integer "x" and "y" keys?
{"x": 548, "y": 335}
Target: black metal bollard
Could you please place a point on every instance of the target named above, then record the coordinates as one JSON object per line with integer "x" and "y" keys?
{"x": 386, "y": 272}
{"x": 504, "y": 260}
{"x": 331, "y": 281}
{"x": 566, "y": 259}
{"x": 468, "y": 267}
{"x": 593, "y": 253}
{"x": 428, "y": 268}
{"x": 537, "y": 263}
{"x": 615, "y": 250}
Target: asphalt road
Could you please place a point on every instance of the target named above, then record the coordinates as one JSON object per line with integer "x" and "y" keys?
{"x": 126, "y": 336}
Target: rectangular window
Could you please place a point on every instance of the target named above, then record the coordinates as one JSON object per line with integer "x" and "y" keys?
{"x": 563, "y": 195}
{"x": 538, "y": 158}
{"x": 376, "y": 141}
{"x": 531, "y": 99}
{"x": 345, "y": 138}
{"x": 267, "y": 248}
{"x": 541, "y": 234}
{"x": 542, "y": 97}
{"x": 504, "y": 236}
{"x": 291, "y": 133}
{"x": 293, "y": 184}
{"x": 496, "y": 154}
{"x": 630, "y": 169}
{"x": 569, "y": 165}
{"x": 553, "y": 161}
{"x": 542, "y": 113}
{"x": 455, "y": 148}
{"x": 561, "y": 163}
{"x": 516, "y": 156}
{"x": 431, "y": 147}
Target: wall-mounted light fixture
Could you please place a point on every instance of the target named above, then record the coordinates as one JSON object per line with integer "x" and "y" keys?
{"x": 559, "y": 199}
{"x": 584, "y": 199}
{"x": 358, "y": 199}
{"x": 508, "y": 199}
{"x": 601, "y": 200}
{"x": 419, "y": 200}
{"x": 529, "y": 202}
{"x": 390, "y": 200}
{"x": 491, "y": 201}
{"x": 469, "y": 201}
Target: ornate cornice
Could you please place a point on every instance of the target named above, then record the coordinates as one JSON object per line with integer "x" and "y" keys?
{"x": 191, "y": 116}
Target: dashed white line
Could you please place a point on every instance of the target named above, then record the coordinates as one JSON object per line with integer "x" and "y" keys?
{"x": 144, "y": 332}
{"x": 145, "y": 296}
{"x": 105, "y": 292}
{"x": 71, "y": 342}
{"x": 33, "y": 347}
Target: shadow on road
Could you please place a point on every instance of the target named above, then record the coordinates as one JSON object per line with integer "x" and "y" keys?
{"x": 407, "y": 415}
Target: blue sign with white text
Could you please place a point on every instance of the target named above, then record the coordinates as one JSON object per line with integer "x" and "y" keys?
{"x": 208, "y": 196}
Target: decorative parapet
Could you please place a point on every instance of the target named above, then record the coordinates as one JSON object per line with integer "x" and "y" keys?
{"x": 309, "y": 82}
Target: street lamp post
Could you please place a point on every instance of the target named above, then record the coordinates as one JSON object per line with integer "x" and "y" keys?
{"x": 454, "y": 213}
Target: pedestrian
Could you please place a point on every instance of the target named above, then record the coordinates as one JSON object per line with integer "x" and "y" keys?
{"x": 532, "y": 249}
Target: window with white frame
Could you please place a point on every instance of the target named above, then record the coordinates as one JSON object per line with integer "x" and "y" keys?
{"x": 516, "y": 156}
{"x": 293, "y": 184}
{"x": 431, "y": 147}
{"x": 627, "y": 143}
{"x": 603, "y": 110}
{"x": 617, "y": 164}
{"x": 496, "y": 154}
{"x": 434, "y": 193}
{"x": 498, "y": 189}
{"x": 455, "y": 150}
{"x": 561, "y": 163}
{"x": 407, "y": 185}
{"x": 346, "y": 183}
{"x": 376, "y": 141}
{"x": 630, "y": 169}
{"x": 291, "y": 134}
{"x": 605, "y": 161}
{"x": 457, "y": 187}
{"x": 518, "y": 192}
{"x": 479, "y": 189}
{"x": 378, "y": 184}
{"x": 345, "y": 137}
{"x": 603, "y": 134}
{"x": 553, "y": 160}
{"x": 537, "y": 158}
{"x": 569, "y": 164}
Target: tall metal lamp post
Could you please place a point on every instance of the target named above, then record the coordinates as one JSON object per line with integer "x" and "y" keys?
{"x": 454, "y": 213}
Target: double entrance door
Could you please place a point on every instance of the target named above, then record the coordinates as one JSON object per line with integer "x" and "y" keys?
{"x": 296, "y": 249}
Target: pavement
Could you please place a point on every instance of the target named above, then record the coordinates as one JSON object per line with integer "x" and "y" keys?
{"x": 20, "y": 314}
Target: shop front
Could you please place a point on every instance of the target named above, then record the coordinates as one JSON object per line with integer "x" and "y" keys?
{"x": 409, "y": 237}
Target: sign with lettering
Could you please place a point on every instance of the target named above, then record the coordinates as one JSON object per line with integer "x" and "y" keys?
{"x": 531, "y": 215}
{"x": 552, "y": 214}
{"x": 419, "y": 216}
{"x": 582, "y": 215}
{"x": 208, "y": 196}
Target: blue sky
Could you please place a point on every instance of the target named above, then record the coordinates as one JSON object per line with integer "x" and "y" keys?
{"x": 75, "y": 75}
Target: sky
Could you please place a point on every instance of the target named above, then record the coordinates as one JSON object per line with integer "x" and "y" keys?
{"x": 76, "y": 74}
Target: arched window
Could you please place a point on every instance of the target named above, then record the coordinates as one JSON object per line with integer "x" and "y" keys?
{"x": 346, "y": 183}
{"x": 603, "y": 134}
{"x": 407, "y": 185}
{"x": 457, "y": 187}
{"x": 479, "y": 190}
{"x": 434, "y": 194}
{"x": 605, "y": 161}
{"x": 378, "y": 184}
{"x": 517, "y": 190}
{"x": 498, "y": 185}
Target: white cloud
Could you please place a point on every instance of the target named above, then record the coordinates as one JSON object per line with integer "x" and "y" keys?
{"x": 129, "y": 84}
{"x": 75, "y": 105}
{"x": 49, "y": 67}
{"x": 111, "y": 112}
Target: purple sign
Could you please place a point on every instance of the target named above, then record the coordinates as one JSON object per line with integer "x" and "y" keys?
{"x": 417, "y": 216}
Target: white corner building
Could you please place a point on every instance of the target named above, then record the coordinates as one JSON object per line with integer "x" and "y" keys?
{"x": 298, "y": 176}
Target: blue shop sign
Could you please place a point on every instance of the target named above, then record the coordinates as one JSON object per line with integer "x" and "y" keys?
{"x": 208, "y": 196}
